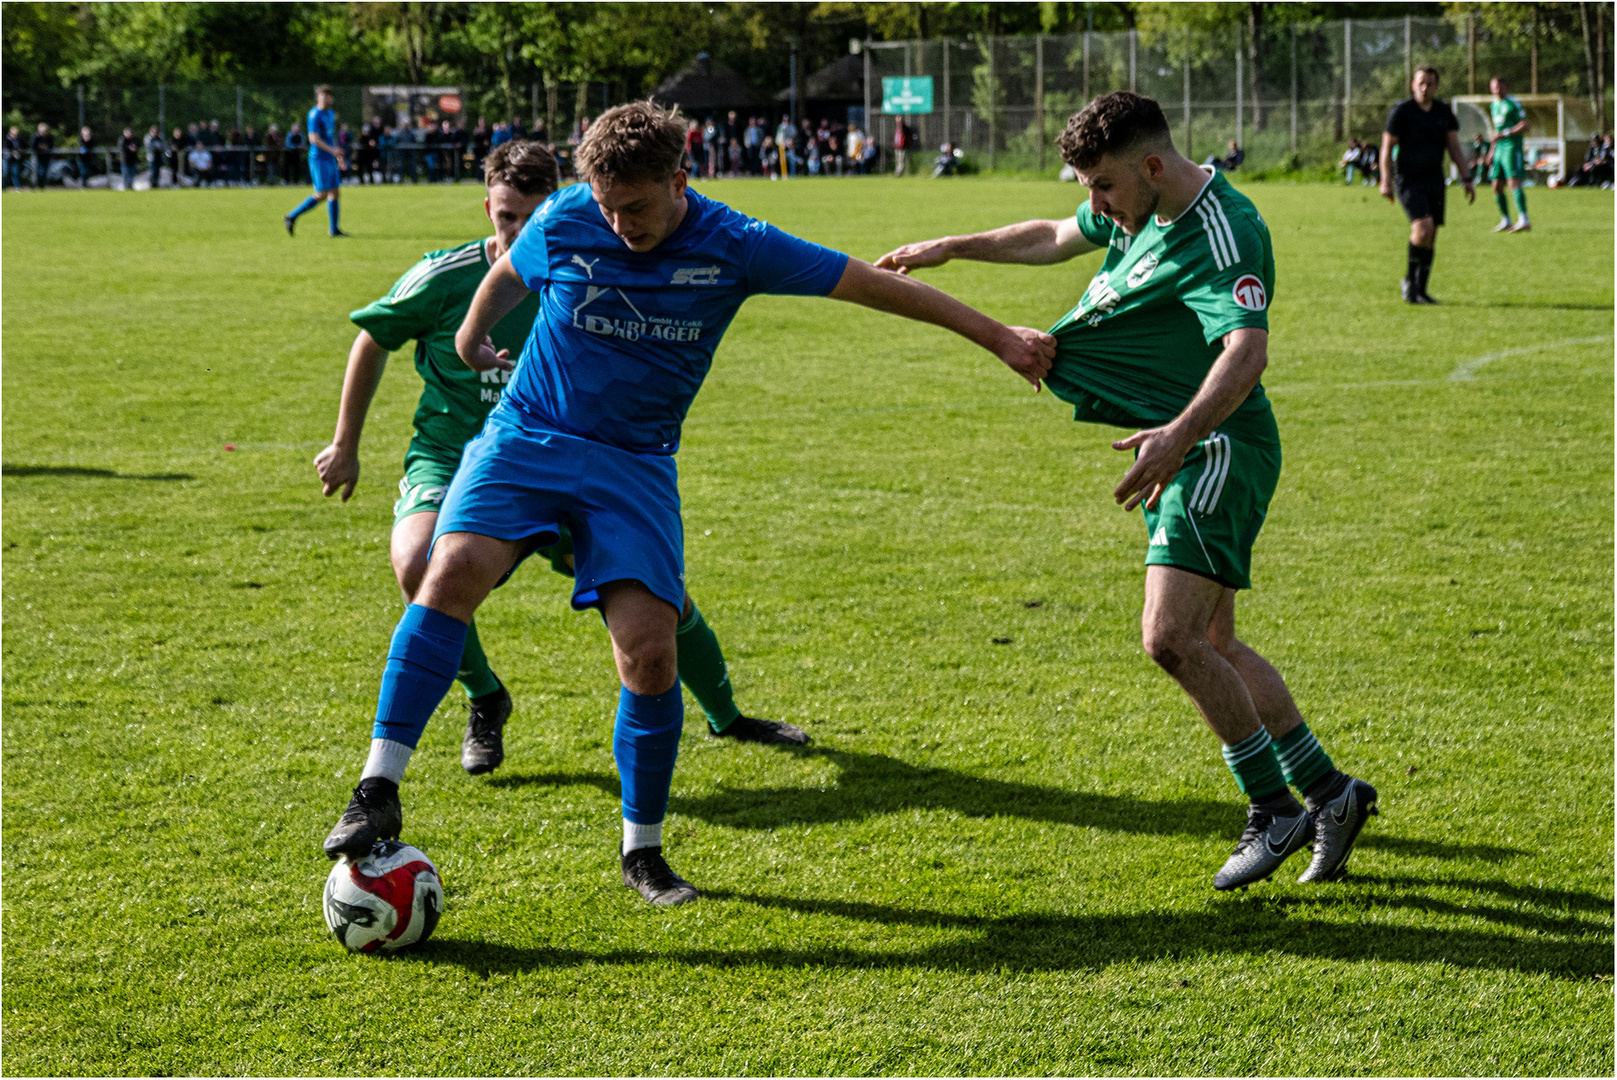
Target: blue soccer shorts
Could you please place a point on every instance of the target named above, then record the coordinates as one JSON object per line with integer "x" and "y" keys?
{"x": 324, "y": 174}
{"x": 518, "y": 482}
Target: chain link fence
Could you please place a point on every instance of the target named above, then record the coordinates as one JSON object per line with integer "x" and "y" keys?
{"x": 1294, "y": 100}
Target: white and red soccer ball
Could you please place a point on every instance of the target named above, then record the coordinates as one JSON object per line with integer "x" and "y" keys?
{"x": 383, "y": 901}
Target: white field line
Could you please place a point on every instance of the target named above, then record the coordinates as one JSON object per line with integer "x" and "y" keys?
{"x": 1467, "y": 371}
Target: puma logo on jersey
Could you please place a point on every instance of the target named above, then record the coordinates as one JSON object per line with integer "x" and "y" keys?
{"x": 696, "y": 275}
{"x": 589, "y": 267}
{"x": 1143, "y": 270}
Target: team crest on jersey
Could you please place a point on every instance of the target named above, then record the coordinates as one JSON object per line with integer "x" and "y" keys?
{"x": 1249, "y": 293}
{"x": 1143, "y": 270}
{"x": 696, "y": 275}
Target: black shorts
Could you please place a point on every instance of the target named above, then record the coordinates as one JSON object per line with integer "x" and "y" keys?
{"x": 1422, "y": 198}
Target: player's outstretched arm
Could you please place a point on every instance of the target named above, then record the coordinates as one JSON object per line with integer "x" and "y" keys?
{"x": 1162, "y": 450}
{"x": 1031, "y": 243}
{"x": 1025, "y": 351}
{"x": 499, "y": 294}
{"x": 338, "y": 464}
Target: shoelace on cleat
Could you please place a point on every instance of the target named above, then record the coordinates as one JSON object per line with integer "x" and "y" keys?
{"x": 1256, "y": 825}
{"x": 654, "y": 872}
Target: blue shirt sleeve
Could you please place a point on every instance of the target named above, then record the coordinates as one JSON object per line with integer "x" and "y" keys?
{"x": 530, "y": 255}
{"x": 778, "y": 262}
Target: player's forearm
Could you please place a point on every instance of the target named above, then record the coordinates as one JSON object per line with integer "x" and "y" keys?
{"x": 499, "y": 294}
{"x": 1228, "y": 382}
{"x": 366, "y": 362}
{"x": 1387, "y": 144}
{"x": 323, "y": 145}
{"x": 1031, "y": 243}
{"x": 899, "y": 294}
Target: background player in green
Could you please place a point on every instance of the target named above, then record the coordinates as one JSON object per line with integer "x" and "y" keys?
{"x": 1421, "y": 128}
{"x": 1509, "y": 165}
{"x": 427, "y": 305}
{"x": 1170, "y": 339}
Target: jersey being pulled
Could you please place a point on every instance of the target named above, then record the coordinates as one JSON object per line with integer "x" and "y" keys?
{"x": 322, "y": 122}
{"x": 1507, "y": 112}
{"x": 427, "y": 305}
{"x": 624, "y": 338}
{"x": 1146, "y": 332}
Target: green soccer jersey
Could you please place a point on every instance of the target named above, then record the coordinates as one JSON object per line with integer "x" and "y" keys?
{"x": 1146, "y": 332}
{"x": 427, "y": 305}
{"x": 1507, "y": 112}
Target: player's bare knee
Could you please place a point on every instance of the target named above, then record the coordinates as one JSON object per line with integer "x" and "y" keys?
{"x": 649, "y": 666}
{"x": 1167, "y": 646}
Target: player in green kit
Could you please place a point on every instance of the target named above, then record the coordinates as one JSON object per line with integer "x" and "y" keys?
{"x": 427, "y": 305}
{"x": 1509, "y": 164}
{"x": 1170, "y": 339}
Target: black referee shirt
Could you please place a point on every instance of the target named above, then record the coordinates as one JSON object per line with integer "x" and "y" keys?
{"x": 1423, "y": 138}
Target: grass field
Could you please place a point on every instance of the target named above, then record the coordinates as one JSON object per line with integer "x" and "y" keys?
{"x": 995, "y": 858}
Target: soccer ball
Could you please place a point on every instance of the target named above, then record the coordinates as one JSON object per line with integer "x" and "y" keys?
{"x": 383, "y": 901}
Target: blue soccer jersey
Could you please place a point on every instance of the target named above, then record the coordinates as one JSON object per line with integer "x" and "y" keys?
{"x": 623, "y": 338}
{"x": 322, "y": 122}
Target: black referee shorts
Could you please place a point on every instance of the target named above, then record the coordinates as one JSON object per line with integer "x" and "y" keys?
{"x": 1422, "y": 198}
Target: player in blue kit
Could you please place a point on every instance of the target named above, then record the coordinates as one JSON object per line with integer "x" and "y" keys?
{"x": 638, "y": 278}
{"x": 325, "y": 162}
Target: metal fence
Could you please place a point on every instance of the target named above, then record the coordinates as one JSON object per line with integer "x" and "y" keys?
{"x": 1005, "y": 99}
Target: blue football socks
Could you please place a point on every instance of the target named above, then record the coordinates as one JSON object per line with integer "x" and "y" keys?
{"x": 421, "y": 665}
{"x": 331, "y": 212}
{"x": 645, "y": 742}
{"x": 304, "y": 207}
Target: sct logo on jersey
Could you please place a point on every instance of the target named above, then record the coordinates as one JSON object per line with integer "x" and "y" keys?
{"x": 1248, "y": 293}
{"x": 696, "y": 275}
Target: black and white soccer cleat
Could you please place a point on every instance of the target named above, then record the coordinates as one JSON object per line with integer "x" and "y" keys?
{"x": 483, "y": 748}
{"x": 750, "y": 729}
{"x": 373, "y": 814}
{"x": 1267, "y": 842}
{"x": 1336, "y": 826}
{"x": 647, "y": 872}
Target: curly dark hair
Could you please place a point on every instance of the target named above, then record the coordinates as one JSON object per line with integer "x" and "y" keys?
{"x": 524, "y": 165}
{"x": 633, "y": 143}
{"x": 1110, "y": 124}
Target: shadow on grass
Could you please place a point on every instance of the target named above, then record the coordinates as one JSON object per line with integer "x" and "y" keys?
{"x": 81, "y": 470}
{"x": 873, "y": 784}
{"x": 1034, "y": 942}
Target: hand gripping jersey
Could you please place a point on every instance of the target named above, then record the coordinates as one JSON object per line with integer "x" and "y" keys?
{"x": 624, "y": 338}
{"x": 322, "y": 122}
{"x": 1146, "y": 332}
{"x": 427, "y": 305}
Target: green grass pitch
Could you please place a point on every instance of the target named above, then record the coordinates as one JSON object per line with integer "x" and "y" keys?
{"x": 997, "y": 855}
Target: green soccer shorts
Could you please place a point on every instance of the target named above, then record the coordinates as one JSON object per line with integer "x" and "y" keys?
{"x": 427, "y": 473}
{"x": 1507, "y": 164}
{"x": 1209, "y": 514}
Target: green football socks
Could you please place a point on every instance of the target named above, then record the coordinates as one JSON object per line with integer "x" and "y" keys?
{"x": 1521, "y": 203}
{"x": 1255, "y": 766}
{"x": 1504, "y": 204}
{"x": 702, "y": 670}
{"x": 475, "y": 675}
{"x": 1303, "y": 761}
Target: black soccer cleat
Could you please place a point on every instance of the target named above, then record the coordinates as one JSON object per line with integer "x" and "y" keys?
{"x": 1267, "y": 842}
{"x": 484, "y": 746}
{"x": 647, "y": 872}
{"x": 1406, "y": 289}
{"x": 290, "y": 222}
{"x": 750, "y": 729}
{"x": 338, "y": 233}
{"x": 1336, "y": 826}
{"x": 1423, "y": 298}
{"x": 373, "y": 814}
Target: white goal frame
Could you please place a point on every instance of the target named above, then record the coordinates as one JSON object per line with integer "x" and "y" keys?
{"x": 1531, "y": 144}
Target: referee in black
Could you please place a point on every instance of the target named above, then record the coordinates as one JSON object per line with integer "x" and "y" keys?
{"x": 1421, "y": 128}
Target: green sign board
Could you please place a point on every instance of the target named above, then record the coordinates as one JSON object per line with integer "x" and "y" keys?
{"x": 907, "y": 96}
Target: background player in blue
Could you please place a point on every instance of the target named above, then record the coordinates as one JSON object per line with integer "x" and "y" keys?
{"x": 638, "y": 278}
{"x": 325, "y": 162}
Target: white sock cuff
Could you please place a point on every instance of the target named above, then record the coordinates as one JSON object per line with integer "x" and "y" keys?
{"x": 387, "y": 759}
{"x": 636, "y": 835}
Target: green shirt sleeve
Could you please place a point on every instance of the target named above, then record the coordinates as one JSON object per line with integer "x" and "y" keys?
{"x": 409, "y": 311}
{"x": 1096, "y": 228}
{"x": 1233, "y": 285}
